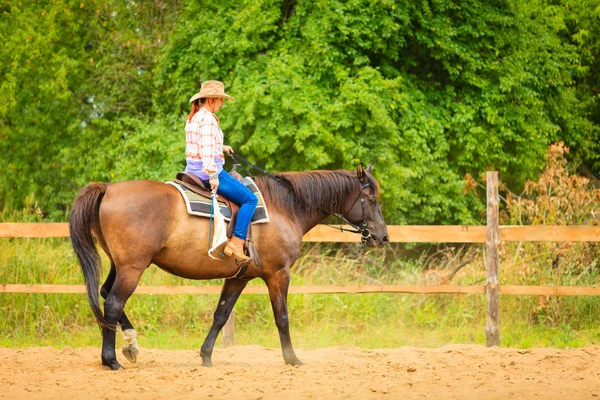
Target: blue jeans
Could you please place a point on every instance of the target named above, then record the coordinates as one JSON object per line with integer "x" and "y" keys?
{"x": 234, "y": 190}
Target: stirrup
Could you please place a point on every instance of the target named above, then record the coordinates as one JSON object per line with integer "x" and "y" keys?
{"x": 242, "y": 271}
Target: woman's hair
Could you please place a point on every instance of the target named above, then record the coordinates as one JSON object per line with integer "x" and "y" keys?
{"x": 196, "y": 105}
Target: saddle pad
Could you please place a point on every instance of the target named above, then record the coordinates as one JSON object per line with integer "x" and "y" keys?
{"x": 200, "y": 206}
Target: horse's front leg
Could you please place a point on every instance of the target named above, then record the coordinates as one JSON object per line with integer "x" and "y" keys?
{"x": 229, "y": 294}
{"x": 278, "y": 285}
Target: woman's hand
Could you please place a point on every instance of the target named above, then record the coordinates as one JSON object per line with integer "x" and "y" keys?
{"x": 214, "y": 183}
{"x": 227, "y": 150}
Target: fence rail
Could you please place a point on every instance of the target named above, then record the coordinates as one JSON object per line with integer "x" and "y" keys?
{"x": 323, "y": 289}
{"x": 491, "y": 235}
{"x": 397, "y": 233}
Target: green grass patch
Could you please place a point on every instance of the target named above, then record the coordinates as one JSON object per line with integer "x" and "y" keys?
{"x": 317, "y": 320}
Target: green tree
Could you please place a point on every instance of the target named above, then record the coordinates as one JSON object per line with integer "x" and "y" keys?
{"x": 582, "y": 21}
{"x": 64, "y": 65}
{"x": 429, "y": 91}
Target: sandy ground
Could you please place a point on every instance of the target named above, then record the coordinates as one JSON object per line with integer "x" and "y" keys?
{"x": 254, "y": 372}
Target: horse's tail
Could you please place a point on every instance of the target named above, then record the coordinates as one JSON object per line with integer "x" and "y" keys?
{"x": 81, "y": 222}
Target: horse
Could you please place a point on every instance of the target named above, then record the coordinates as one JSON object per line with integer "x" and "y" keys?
{"x": 138, "y": 223}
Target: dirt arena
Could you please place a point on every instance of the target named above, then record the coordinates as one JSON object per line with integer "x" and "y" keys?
{"x": 254, "y": 372}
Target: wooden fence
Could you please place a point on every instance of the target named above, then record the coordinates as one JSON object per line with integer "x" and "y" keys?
{"x": 492, "y": 235}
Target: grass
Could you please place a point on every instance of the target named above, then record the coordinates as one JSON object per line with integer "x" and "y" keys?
{"x": 364, "y": 320}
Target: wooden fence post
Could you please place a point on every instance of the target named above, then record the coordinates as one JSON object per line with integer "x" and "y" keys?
{"x": 229, "y": 330}
{"x": 492, "y": 331}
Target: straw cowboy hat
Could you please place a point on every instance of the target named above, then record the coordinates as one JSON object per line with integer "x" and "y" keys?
{"x": 211, "y": 89}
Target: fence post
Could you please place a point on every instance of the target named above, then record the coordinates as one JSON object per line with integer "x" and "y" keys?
{"x": 492, "y": 331}
{"x": 229, "y": 330}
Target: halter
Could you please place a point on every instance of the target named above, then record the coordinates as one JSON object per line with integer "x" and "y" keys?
{"x": 364, "y": 232}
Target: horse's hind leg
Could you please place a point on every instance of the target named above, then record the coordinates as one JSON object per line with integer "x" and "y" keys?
{"x": 232, "y": 288}
{"x": 278, "y": 285}
{"x": 130, "y": 349}
{"x": 126, "y": 280}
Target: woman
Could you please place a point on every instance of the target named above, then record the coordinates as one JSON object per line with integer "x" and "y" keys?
{"x": 204, "y": 154}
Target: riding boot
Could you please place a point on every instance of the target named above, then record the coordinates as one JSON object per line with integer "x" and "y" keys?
{"x": 235, "y": 247}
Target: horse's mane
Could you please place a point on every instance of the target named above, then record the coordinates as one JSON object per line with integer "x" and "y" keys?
{"x": 310, "y": 192}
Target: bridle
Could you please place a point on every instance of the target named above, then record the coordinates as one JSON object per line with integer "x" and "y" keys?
{"x": 365, "y": 234}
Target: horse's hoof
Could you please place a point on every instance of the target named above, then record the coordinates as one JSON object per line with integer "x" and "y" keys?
{"x": 295, "y": 362}
{"x": 206, "y": 358}
{"x": 114, "y": 365}
{"x": 130, "y": 352}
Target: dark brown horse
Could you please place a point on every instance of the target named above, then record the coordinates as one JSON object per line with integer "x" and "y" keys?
{"x": 142, "y": 222}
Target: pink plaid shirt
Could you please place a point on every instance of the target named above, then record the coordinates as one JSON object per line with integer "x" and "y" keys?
{"x": 204, "y": 140}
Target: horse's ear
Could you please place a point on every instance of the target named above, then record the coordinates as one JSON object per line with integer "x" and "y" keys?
{"x": 370, "y": 168}
{"x": 360, "y": 172}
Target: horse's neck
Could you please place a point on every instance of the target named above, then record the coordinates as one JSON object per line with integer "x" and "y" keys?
{"x": 307, "y": 222}
{"x": 339, "y": 193}
{"x": 310, "y": 220}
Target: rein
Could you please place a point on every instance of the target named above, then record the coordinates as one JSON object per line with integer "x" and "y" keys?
{"x": 364, "y": 232}
{"x": 241, "y": 159}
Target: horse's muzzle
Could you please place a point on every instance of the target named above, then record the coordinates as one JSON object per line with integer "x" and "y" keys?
{"x": 373, "y": 241}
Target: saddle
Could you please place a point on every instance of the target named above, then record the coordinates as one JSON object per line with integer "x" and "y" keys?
{"x": 193, "y": 183}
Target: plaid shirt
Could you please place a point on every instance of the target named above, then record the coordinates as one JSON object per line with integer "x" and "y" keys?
{"x": 204, "y": 140}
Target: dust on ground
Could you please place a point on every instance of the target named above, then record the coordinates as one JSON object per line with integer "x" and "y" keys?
{"x": 254, "y": 372}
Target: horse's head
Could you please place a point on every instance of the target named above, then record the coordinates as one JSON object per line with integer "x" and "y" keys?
{"x": 364, "y": 211}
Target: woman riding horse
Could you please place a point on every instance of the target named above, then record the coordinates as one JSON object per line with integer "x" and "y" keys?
{"x": 139, "y": 223}
{"x": 204, "y": 154}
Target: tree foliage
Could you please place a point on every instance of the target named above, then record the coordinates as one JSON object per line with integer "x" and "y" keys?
{"x": 430, "y": 91}
{"x": 68, "y": 68}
